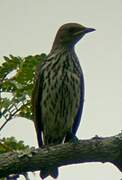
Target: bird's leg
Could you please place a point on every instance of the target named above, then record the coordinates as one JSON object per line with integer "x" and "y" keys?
{"x": 70, "y": 137}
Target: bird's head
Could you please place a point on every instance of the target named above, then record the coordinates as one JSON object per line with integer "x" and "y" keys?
{"x": 69, "y": 34}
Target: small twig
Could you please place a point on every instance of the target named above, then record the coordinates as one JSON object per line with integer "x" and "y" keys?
{"x": 11, "y": 114}
{"x": 10, "y": 118}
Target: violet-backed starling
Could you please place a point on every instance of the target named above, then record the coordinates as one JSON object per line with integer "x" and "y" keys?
{"x": 58, "y": 93}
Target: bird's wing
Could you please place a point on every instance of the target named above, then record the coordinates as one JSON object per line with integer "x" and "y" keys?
{"x": 36, "y": 99}
{"x": 79, "y": 113}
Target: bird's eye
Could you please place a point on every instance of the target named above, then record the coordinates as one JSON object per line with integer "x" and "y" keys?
{"x": 72, "y": 30}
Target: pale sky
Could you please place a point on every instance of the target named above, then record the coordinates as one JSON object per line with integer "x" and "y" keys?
{"x": 28, "y": 27}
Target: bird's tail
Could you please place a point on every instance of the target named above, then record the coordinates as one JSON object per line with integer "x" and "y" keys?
{"x": 53, "y": 173}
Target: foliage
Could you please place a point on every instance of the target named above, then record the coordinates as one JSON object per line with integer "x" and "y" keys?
{"x": 16, "y": 82}
{"x": 11, "y": 144}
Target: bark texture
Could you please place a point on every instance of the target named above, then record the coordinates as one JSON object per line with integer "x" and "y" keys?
{"x": 97, "y": 149}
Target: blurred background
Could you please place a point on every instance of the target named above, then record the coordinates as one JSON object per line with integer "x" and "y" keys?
{"x": 29, "y": 27}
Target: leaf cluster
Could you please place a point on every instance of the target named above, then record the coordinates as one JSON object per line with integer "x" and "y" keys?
{"x": 16, "y": 82}
{"x": 11, "y": 144}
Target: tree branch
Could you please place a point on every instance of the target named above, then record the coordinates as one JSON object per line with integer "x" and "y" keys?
{"x": 12, "y": 111}
{"x": 97, "y": 149}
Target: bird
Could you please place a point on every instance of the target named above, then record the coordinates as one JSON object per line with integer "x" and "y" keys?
{"x": 58, "y": 92}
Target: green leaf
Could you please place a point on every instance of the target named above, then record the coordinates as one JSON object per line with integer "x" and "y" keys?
{"x": 20, "y": 85}
{"x": 11, "y": 144}
{"x": 10, "y": 63}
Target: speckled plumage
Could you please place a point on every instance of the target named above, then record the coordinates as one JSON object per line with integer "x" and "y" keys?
{"x": 61, "y": 95}
{"x": 58, "y": 93}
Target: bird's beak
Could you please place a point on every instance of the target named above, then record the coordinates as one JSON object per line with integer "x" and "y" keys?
{"x": 86, "y": 30}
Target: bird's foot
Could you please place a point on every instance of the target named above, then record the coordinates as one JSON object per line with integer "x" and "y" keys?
{"x": 74, "y": 140}
{"x": 71, "y": 138}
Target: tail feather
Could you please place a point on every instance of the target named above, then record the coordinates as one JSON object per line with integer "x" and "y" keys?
{"x": 53, "y": 173}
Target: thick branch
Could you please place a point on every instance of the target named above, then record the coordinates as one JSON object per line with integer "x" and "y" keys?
{"x": 97, "y": 149}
